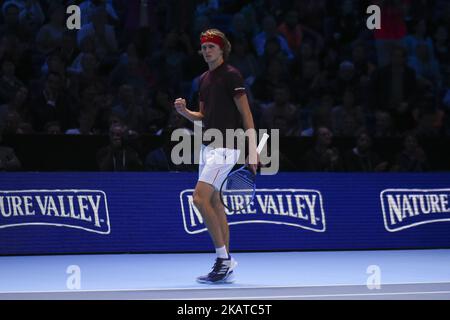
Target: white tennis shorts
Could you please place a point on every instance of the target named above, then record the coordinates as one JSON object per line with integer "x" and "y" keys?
{"x": 215, "y": 164}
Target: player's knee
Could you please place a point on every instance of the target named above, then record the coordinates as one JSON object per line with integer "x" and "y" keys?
{"x": 199, "y": 201}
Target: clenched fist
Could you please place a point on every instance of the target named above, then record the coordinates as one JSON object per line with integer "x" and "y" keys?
{"x": 180, "y": 106}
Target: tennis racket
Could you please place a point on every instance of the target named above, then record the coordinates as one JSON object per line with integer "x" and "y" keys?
{"x": 238, "y": 189}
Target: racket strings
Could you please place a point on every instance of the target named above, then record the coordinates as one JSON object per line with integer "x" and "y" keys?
{"x": 240, "y": 182}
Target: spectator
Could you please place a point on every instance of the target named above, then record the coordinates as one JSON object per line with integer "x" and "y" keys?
{"x": 52, "y": 128}
{"x": 323, "y": 156}
{"x": 51, "y": 34}
{"x": 442, "y": 49}
{"x": 281, "y": 114}
{"x": 362, "y": 158}
{"x": 52, "y": 104}
{"x": 292, "y": 30}
{"x": 419, "y": 37}
{"x": 8, "y": 158}
{"x": 426, "y": 66}
{"x": 384, "y": 127}
{"x": 89, "y": 7}
{"x": 104, "y": 36}
{"x": 349, "y": 111}
{"x": 11, "y": 18}
{"x": 346, "y": 77}
{"x": 134, "y": 115}
{"x": 362, "y": 63}
{"x": 393, "y": 30}
{"x": 117, "y": 156}
{"x": 31, "y": 15}
{"x": 170, "y": 60}
{"x": 9, "y": 83}
{"x": 244, "y": 60}
{"x": 19, "y": 103}
{"x": 412, "y": 158}
{"x": 393, "y": 89}
{"x": 270, "y": 31}
{"x": 240, "y": 28}
{"x": 160, "y": 159}
{"x": 274, "y": 74}
{"x": 12, "y": 123}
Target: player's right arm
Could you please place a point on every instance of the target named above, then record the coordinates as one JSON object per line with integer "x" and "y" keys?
{"x": 180, "y": 106}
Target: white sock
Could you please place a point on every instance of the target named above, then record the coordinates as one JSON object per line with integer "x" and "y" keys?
{"x": 222, "y": 252}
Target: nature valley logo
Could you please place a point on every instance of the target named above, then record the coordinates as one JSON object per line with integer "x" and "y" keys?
{"x": 406, "y": 208}
{"x": 80, "y": 209}
{"x": 290, "y": 207}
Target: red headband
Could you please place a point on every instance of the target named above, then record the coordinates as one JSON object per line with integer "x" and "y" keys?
{"x": 212, "y": 38}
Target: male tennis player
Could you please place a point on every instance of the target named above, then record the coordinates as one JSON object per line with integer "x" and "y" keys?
{"x": 223, "y": 104}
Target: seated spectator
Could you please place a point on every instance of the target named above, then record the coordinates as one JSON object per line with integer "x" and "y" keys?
{"x": 11, "y": 123}
{"x": 240, "y": 28}
{"x": 51, "y": 34}
{"x": 52, "y": 104}
{"x": 429, "y": 122}
{"x": 244, "y": 60}
{"x": 442, "y": 49}
{"x": 347, "y": 110}
{"x": 12, "y": 23}
{"x": 274, "y": 74}
{"x": 8, "y": 159}
{"x": 86, "y": 121}
{"x": 318, "y": 113}
{"x": 281, "y": 111}
{"x": 133, "y": 70}
{"x": 54, "y": 63}
{"x": 171, "y": 59}
{"x": 135, "y": 115}
{"x": 292, "y": 30}
{"x": 393, "y": 30}
{"x": 346, "y": 77}
{"x": 412, "y": 157}
{"x": 384, "y": 126}
{"x": 362, "y": 158}
{"x": 95, "y": 108}
{"x": 308, "y": 84}
{"x": 394, "y": 89}
{"x": 118, "y": 156}
{"x": 19, "y": 103}
{"x": 52, "y": 128}
{"x": 270, "y": 31}
{"x": 426, "y": 66}
{"x": 104, "y": 35}
{"x": 160, "y": 159}
{"x": 9, "y": 83}
{"x": 362, "y": 63}
{"x": 88, "y": 73}
{"x": 323, "y": 156}
{"x": 419, "y": 37}
{"x": 31, "y": 15}
{"x": 89, "y": 7}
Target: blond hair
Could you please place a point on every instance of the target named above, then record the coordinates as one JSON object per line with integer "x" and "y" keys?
{"x": 226, "y": 43}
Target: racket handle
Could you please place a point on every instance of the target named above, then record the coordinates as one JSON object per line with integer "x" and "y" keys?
{"x": 262, "y": 143}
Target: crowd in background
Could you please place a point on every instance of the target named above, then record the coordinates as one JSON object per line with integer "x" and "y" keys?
{"x": 312, "y": 69}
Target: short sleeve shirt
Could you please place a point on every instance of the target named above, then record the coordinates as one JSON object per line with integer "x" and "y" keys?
{"x": 217, "y": 91}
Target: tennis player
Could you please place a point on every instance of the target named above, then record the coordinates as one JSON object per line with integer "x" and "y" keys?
{"x": 223, "y": 104}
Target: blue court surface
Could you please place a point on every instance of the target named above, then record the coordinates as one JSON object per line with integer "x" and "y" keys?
{"x": 406, "y": 274}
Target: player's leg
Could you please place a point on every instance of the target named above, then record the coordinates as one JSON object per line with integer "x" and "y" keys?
{"x": 203, "y": 201}
{"x": 219, "y": 210}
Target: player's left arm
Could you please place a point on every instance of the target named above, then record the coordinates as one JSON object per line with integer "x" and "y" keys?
{"x": 243, "y": 106}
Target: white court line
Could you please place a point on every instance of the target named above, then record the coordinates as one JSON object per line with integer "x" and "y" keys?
{"x": 219, "y": 287}
{"x": 314, "y": 296}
